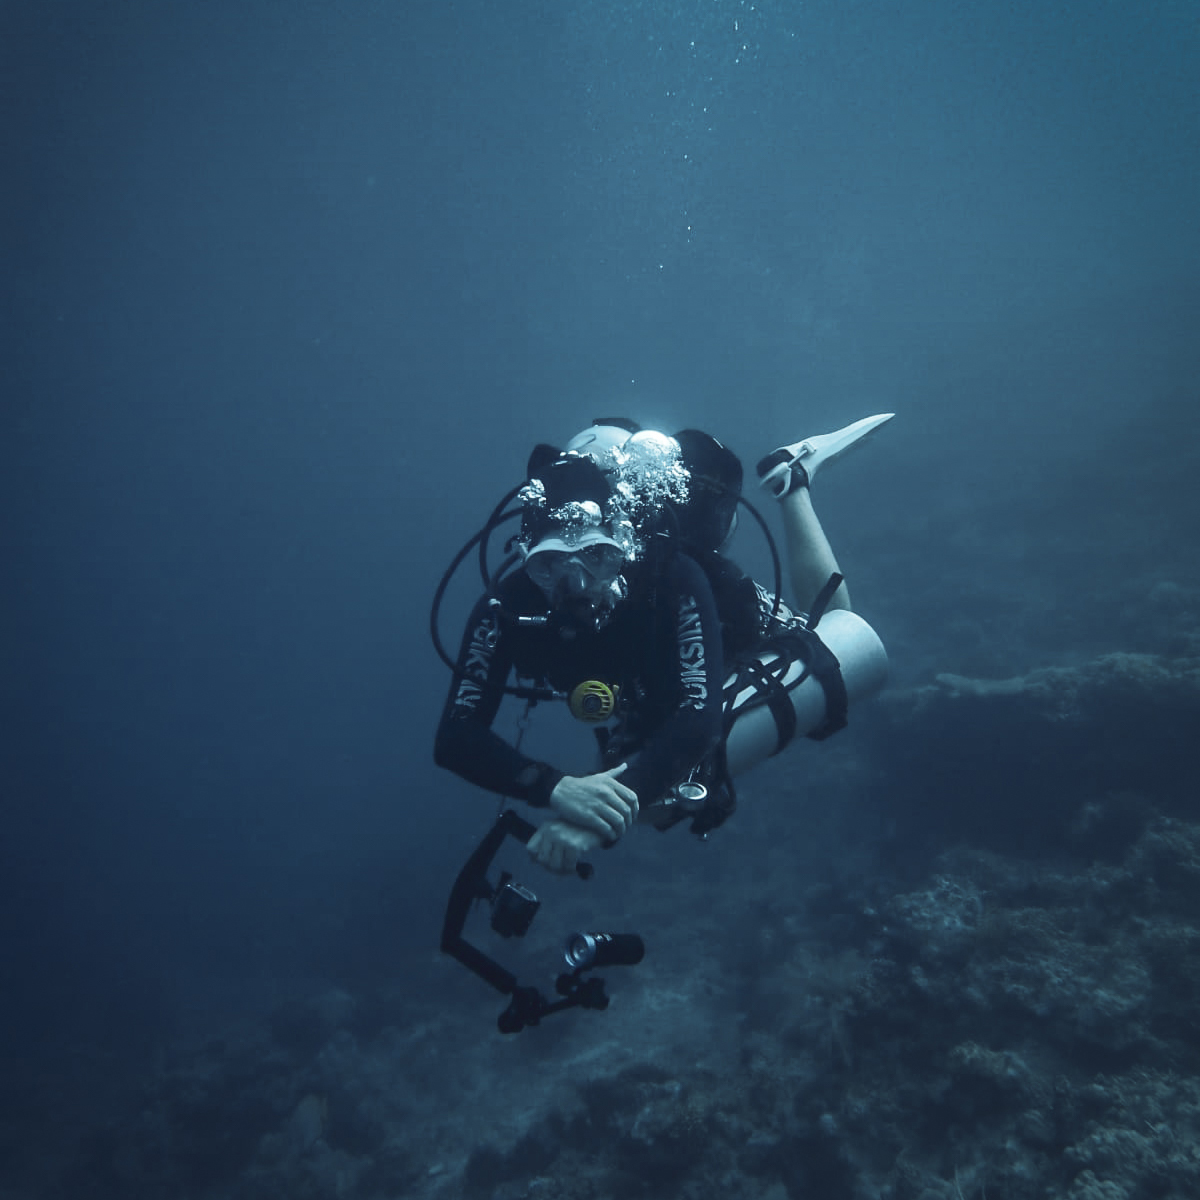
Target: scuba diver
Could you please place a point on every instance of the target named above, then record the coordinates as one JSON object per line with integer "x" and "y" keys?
{"x": 617, "y": 598}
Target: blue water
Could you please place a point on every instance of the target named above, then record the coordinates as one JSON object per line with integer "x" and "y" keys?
{"x": 291, "y": 290}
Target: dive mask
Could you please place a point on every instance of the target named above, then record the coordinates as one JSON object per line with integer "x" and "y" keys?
{"x": 577, "y": 569}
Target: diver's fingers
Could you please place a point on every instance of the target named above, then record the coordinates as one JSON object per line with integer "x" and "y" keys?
{"x": 624, "y": 800}
{"x": 612, "y": 820}
{"x": 624, "y": 809}
{"x": 626, "y": 793}
{"x": 535, "y": 848}
{"x": 599, "y": 817}
{"x": 547, "y": 852}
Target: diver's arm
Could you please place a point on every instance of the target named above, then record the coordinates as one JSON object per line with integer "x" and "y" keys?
{"x": 697, "y": 674}
{"x": 465, "y": 742}
{"x": 480, "y": 756}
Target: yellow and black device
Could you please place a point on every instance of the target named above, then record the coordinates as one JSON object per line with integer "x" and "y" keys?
{"x": 592, "y": 701}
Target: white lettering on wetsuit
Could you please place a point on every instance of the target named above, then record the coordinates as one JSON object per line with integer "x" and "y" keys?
{"x": 692, "y": 666}
{"x": 478, "y": 663}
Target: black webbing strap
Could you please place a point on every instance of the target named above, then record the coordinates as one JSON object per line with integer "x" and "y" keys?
{"x": 825, "y": 666}
{"x": 769, "y": 690}
{"x": 799, "y": 644}
{"x": 821, "y": 603}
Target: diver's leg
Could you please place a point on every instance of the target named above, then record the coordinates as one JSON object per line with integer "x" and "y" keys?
{"x": 786, "y": 473}
{"x": 810, "y": 556}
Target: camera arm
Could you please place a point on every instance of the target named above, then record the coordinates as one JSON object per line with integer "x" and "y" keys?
{"x": 528, "y": 1005}
{"x": 472, "y": 885}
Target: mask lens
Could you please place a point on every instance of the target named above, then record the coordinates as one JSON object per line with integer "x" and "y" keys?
{"x": 598, "y": 562}
{"x": 547, "y": 568}
{"x": 601, "y": 561}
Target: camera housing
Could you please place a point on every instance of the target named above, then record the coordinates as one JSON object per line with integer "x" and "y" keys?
{"x": 513, "y": 908}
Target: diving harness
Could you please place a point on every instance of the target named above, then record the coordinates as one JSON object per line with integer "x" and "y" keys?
{"x": 789, "y": 654}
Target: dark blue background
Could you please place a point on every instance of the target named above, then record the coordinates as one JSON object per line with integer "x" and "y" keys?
{"x": 291, "y": 288}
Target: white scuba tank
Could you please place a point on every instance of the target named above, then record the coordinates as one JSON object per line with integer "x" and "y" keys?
{"x": 857, "y": 647}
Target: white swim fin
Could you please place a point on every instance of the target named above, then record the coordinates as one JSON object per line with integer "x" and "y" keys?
{"x": 794, "y": 466}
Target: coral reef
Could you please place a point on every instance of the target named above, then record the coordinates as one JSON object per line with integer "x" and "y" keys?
{"x": 1000, "y": 1002}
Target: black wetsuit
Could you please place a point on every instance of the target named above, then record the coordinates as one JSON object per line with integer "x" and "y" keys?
{"x": 662, "y": 648}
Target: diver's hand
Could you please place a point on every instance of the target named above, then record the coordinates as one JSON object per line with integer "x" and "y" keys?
{"x": 557, "y": 845}
{"x": 598, "y": 803}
